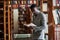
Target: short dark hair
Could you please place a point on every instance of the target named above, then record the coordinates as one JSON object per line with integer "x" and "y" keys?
{"x": 32, "y": 6}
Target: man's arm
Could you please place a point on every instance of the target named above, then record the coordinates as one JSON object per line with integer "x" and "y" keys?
{"x": 42, "y": 22}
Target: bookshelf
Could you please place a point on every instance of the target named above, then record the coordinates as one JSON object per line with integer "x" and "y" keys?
{"x": 23, "y": 16}
{"x": 50, "y": 16}
{"x": 56, "y": 6}
{"x": 52, "y": 6}
{"x": 17, "y": 5}
{"x": 9, "y": 19}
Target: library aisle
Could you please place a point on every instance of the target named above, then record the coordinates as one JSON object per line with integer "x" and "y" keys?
{"x": 17, "y": 19}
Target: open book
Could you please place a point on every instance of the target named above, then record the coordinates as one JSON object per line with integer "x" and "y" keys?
{"x": 31, "y": 24}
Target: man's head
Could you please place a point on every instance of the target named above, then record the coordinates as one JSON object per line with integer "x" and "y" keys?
{"x": 32, "y": 7}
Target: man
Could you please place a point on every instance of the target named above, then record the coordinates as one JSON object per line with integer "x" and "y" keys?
{"x": 39, "y": 21}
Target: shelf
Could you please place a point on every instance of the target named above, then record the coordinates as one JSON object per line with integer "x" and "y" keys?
{"x": 44, "y": 1}
{"x": 45, "y": 12}
{"x": 56, "y": 7}
{"x": 16, "y": 5}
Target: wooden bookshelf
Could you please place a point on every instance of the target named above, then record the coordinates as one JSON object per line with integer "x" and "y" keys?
{"x": 26, "y": 17}
{"x": 5, "y": 20}
{"x": 44, "y": 0}
{"x": 8, "y": 19}
{"x": 9, "y": 26}
{"x": 54, "y": 7}
{"x": 52, "y": 31}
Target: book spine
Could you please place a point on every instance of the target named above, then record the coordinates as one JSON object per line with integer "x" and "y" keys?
{"x": 28, "y": 1}
{"x": 22, "y": 2}
{"x": 57, "y": 2}
{"x": 32, "y": 1}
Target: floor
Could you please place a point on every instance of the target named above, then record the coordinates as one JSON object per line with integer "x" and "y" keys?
{"x": 25, "y": 37}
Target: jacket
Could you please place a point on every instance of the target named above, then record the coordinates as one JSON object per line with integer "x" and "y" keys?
{"x": 39, "y": 21}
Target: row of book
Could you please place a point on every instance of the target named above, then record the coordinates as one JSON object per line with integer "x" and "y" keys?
{"x": 56, "y": 15}
{"x": 23, "y": 2}
{"x": 56, "y": 2}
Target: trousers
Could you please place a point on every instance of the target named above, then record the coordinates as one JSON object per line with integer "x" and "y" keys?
{"x": 38, "y": 35}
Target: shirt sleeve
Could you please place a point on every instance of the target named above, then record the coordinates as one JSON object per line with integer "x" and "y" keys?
{"x": 43, "y": 21}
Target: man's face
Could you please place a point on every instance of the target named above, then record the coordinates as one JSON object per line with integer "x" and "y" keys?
{"x": 36, "y": 10}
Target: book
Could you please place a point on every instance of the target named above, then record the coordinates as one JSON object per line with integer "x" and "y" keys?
{"x": 31, "y": 24}
{"x": 22, "y": 2}
{"x": 57, "y": 2}
{"x": 55, "y": 15}
{"x": 54, "y": 2}
{"x": 34, "y": 1}
{"x": 28, "y": 1}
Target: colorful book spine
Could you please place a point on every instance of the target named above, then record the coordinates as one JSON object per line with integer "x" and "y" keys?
{"x": 57, "y": 2}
